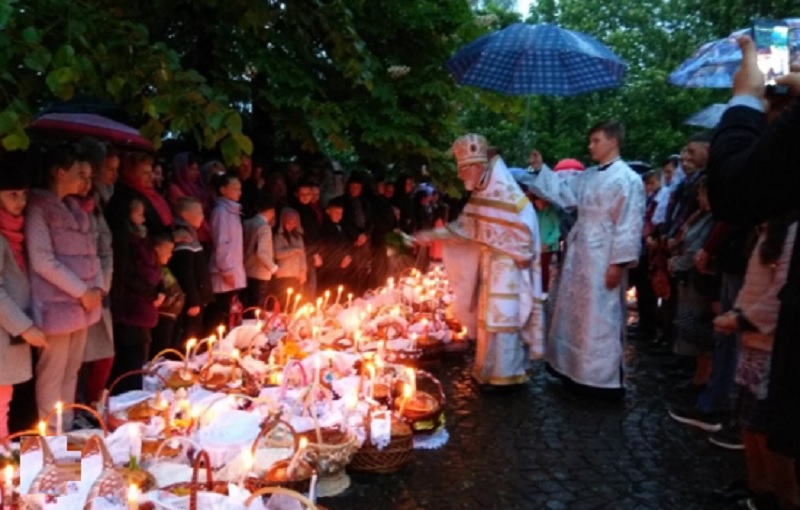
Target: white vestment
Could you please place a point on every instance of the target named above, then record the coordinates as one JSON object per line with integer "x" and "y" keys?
{"x": 495, "y": 298}
{"x": 585, "y": 339}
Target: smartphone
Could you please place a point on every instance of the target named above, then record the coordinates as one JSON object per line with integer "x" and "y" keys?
{"x": 772, "y": 46}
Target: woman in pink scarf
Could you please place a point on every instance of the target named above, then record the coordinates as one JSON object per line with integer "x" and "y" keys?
{"x": 17, "y": 332}
{"x": 136, "y": 181}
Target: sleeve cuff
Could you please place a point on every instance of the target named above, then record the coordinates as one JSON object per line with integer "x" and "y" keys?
{"x": 748, "y": 101}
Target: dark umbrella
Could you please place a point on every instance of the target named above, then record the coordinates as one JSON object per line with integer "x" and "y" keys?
{"x": 537, "y": 59}
{"x": 708, "y": 117}
{"x": 73, "y": 126}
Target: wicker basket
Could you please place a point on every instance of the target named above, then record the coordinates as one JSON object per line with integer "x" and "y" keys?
{"x": 272, "y": 477}
{"x": 390, "y": 459}
{"x": 53, "y": 477}
{"x": 113, "y": 481}
{"x": 76, "y": 444}
{"x": 279, "y": 490}
{"x": 249, "y": 387}
{"x": 113, "y": 421}
{"x": 428, "y": 421}
{"x": 194, "y": 486}
{"x": 174, "y": 381}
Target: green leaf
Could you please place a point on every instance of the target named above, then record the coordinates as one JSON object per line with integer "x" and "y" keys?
{"x": 38, "y": 60}
{"x": 233, "y": 121}
{"x": 244, "y": 142}
{"x": 8, "y": 121}
{"x": 114, "y": 86}
{"x": 18, "y": 140}
{"x": 30, "y": 35}
{"x": 230, "y": 151}
{"x": 64, "y": 56}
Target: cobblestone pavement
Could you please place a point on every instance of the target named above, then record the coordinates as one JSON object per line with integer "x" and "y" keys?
{"x": 542, "y": 447}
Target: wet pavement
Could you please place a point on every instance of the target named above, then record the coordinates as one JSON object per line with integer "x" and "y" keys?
{"x": 544, "y": 447}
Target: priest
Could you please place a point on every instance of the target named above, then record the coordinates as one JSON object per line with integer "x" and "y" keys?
{"x": 491, "y": 255}
{"x": 585, "y": 338}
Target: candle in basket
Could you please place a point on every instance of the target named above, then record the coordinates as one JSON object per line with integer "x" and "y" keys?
{"x": 248, "y": 463}
{"x": 210, "y": 346}
{"x": 425, "y": 329}
{"x": 289, "y": 293}
{"x": 133, "y": 497}
{"x": 8, "y": 487}
{"x": 327, "y": 297}
{"x": 390, "y": 282}
{"x": 312, "y": 488}
{"x": 258, "y": 319}
{"x": 297, "y": 456}
{"x": 221, "y": 332}
{"x": 339, "y": 294}
{"x": 349, "y": 299}
{"x": 135, "y": 438}
{"x": 59, "y": 418}
{"x": 412, "y": 380}
{"x": 357, "y": 341}
{"x": 235, "y": 354}
{"x": 296, "y": 302}
{"x": 413, "y": 337}
{"x": 189, "y": 346}
{"x": 407, "y": 394}
{"x": 42, "y": 428}
{"x": 319, "y": 305}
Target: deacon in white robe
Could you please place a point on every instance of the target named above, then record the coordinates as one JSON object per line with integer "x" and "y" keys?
{"x": 585, "y": 339}
{"x": 491, "y": 256}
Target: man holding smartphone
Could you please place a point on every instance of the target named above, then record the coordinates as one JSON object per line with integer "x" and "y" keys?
{"x": 753, "y": 177}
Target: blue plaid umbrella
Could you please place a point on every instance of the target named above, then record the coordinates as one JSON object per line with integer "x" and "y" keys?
{"x": 537, "y": 59}
{"x": 714, "y": 63}
{"x": 708, "y": 117}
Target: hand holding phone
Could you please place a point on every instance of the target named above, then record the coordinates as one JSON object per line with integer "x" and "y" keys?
{"x": 772, "y": 52}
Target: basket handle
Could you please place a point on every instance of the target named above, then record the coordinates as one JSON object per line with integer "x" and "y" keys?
{"x": 5, "y": 442}
{"x": 141, "y": 371}
{"x": 95, "y": 440}
{"x": 180, "y": 439}
{"x": 161, "y": 354}
{"x": 82, "y": 407}
{"x": 201, "y": 458}
{"x": 280, "y": 490}
{"x": 435, "y": 381}
{"x": 268, "y": 427}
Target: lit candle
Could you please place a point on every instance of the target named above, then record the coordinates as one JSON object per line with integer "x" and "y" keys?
{"x": 327, "y": 297}
{"x": 235, "y": 354}
{"x": 189, "y": 346}
{"x": 210, "y": 344}
{"x": 296, "y": 302}
{"x": 412, "y": 379}
{"x": 369, "y": 309}
{"x": 248, "y": 465}
{"x": 349, "y": 299}
{"x": 133, "y": 497}
{"x": 9, "y": 487}
{"x": 357, "y": 340}
{"x": 221, "y": 332}
{"x": 296, "y": 458}
{"x": 59, "y": 418}
{"x": 319, "y": 304}
{"x": 312, "y": 488}
{"x": 413, "y": 341}
{"x": 339, "y": 294}
{"x": 425, "y": 327}
{"x": 407, "y": 394}
{"x": 258, "y": 319}
{"x": 42, "y": 428}
{"x": 289, "y": 293}
{"x": 391, "y": 283}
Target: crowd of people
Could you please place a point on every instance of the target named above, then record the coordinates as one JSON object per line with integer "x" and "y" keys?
{"x": 108, "y": 258}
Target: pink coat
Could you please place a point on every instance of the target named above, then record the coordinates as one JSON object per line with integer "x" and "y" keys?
{"x": 62, "y": 252}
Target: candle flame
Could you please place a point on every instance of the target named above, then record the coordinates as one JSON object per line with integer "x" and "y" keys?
{"x": 59, "y": 406}
{"x": 191, "y": 343}
{"x": 235, "y": 354}
{"x": 42, "y": 428}
{"x": 408, "y": 391}
{"x": 290, "y": 291}
{"x": 133, "y": 493}
{"x": 303, "y": 443}
{"x": 327, "y": 294}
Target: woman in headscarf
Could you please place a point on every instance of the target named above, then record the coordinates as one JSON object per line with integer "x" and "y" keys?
{"x": 136, "y": 182}
{"x": 188, "y": 182}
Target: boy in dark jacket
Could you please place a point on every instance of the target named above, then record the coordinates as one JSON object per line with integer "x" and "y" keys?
{"x": 335, "y": 248}
{"x": 164, "y": 334}
{"x": 189, "y": 264}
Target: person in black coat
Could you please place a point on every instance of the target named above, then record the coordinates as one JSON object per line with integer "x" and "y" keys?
{"x": 753, "y": 177}
{"x": 189, "y": 264}
{"x": 384, "y": 222}
{"x": 336, "y": 249}
{"x": 357, "y": 224}
{"x": 303, "y": 198}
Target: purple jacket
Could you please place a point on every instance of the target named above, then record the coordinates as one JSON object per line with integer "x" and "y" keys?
{"x": 228, "y": 254}
{"x": 62, "y": 250}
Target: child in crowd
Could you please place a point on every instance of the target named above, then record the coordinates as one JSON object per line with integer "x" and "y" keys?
{"x": 65, "y": 275}
{"x": 17, "y": 331}
{"x": 290, "y": 253}
{"x": 771, "y": 477}
{"x": 136, "y": 294}
{"x": 647, "y": 301}
{"x": 336, "y": 248}
{"x": 189, "y": 264}
{"x": 259, "y": 256}
{"x": 164, "y": 334}
{"x": 227, "y": 256}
